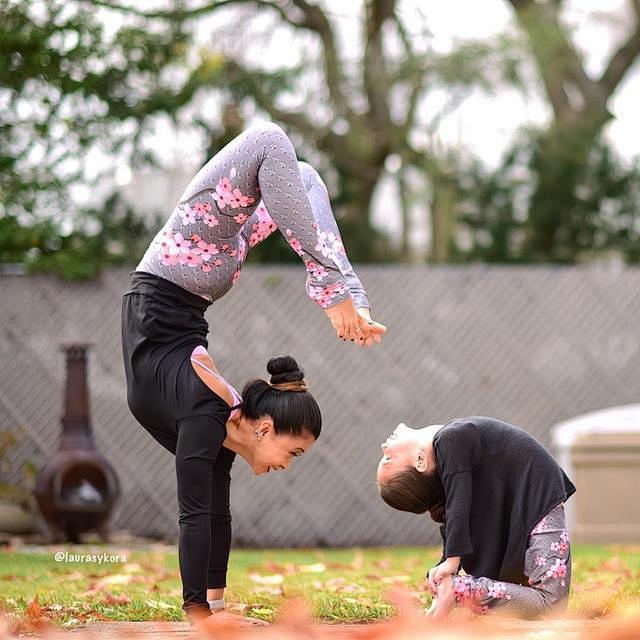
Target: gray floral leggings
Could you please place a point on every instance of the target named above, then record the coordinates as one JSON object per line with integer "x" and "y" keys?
{"x": 547, "y": 564}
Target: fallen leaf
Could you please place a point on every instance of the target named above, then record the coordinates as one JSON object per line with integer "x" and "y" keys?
{"x": 271, "y": 591}
{"x": 117, "y": 578}
{"x": 155, "y": 604}
{"x": 318, "y": 567}
{"x": 358, "y": 561}
{"x": 394, "y": 579}
{"x": 274, "y": 579}
{"x": 109, "y": 598}
{"x": 72, "y": 622}
{"x": 33, "y": 609}
{"x": 132, "y": 567}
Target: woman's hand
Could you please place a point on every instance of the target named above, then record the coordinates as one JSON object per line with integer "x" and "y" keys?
{"x": 354, "y": 324}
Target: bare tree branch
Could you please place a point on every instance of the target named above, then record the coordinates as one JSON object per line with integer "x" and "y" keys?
{"x": 316, "y": 20}
{"x": 172, "y": 14}
{"x": 295, "y": 119}
{"x": 418, "y": 77}
{"x": 376, "y": 76}
{"x": 624, "y": 57}
{"x": 560, "y": 65}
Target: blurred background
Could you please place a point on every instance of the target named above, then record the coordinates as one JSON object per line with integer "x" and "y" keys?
{"x": 482, "y": 160}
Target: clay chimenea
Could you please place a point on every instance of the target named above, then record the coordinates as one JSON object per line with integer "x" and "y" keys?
{"x": 76, "y": 488}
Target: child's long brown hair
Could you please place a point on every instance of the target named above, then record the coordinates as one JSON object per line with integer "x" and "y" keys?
{"x": 416, "y": 492}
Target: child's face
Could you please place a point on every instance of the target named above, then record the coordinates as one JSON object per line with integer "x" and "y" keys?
{"x": 400, "y": 450}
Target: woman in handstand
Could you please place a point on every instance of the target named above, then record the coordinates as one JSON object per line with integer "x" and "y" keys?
{"x": 499, "y": 495}
{"x": 250, "y": 188}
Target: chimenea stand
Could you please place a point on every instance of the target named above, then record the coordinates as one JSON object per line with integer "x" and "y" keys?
{"x": 76, "y": 488}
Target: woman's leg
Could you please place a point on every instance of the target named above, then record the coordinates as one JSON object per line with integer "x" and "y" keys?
{"x": 547, "y": 565}
{"x": 220, "y": 525}
{"x": 199, "y": 444}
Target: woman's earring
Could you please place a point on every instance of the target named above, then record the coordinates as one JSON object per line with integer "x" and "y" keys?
{"x": 258, "y": 433}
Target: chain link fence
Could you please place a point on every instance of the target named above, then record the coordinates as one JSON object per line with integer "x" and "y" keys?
{"x": 528, "y": 345}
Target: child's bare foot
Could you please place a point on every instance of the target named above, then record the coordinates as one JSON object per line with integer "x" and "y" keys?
{"x": 446, "y": 599}
{"x": 430, "y": 612}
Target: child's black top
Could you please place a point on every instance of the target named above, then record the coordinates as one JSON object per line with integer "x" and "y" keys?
{"x": 499, "y": 482}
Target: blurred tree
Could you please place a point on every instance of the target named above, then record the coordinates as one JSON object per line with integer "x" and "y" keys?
{"x": 67, "y": 78}
{"x": 76, "y": 75}
{"x": 494, "y": 207}
{"x": 66, "y": 87}
{"x": 559, "y": 217}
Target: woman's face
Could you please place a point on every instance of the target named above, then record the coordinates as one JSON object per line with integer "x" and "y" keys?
{"x": 399, "y": 451}
{"x": 274, "y": 452}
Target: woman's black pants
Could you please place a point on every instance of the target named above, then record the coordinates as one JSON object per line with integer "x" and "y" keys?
{"x": 161, "y": 325}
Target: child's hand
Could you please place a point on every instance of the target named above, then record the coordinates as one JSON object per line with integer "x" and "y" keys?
{"x": 448, "y": 568}
{"x": 431, "y": 585}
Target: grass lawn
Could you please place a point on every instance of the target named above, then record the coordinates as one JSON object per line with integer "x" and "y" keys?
{"x": 346, "y": 585}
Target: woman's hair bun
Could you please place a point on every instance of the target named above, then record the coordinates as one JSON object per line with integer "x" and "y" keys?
{"x": 284, "y": 369}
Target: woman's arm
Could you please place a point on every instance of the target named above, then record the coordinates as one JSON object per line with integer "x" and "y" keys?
{"x": 350, "y": 316}
{"x": 204, "y": 366}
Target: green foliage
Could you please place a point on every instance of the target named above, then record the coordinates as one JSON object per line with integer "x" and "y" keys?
{"x": 109, "y": 235}
{"x": 583, "y": 210}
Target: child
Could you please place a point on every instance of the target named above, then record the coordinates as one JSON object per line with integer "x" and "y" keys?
{"x": 499, "y": 496}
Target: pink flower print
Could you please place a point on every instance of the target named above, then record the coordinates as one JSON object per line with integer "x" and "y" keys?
{"x": 539, "y": 528}
{"x": 205, "y": 251}
{"x": 461, "y": 588}
{"x": 167, "y": 244}
{"x": 498, "y": 590}
{"x": 540, "y": 561}
{"x": 195, "y": 237}
{"x": 202, "y": 208}
{"x": 263, "y": 228}
{"x": 236, "y": 275}
{"x": 206, "y": 267}
{"x": 217, "y": 262}
{"x": 188, "y": 215}
{"x": 316, "y": 270}
{"x": 181, "y": 243}
{"x": 239, "y": 200}
{"x": 324, "y": 295}
{"x": 233, "y": 253}
{"x": 558, "y": 570}
{"x": 328, "y": 244}
{"x": 224, "y": 247}
{"x": 193, "y": 260}
{"x": 240, "y": 218}
{"x": 222, "y": 194}
{"x": 169, "y": 259}
{"x": 563, "y": 544}
{"x": 210, "y": 220}
{"x": 294, "y": 242}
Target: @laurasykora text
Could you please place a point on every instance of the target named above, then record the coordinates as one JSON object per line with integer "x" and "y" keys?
{"x": 65, "y": 556}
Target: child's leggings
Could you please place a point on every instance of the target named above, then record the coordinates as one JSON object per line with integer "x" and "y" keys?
{"x": 547, "y": 564}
